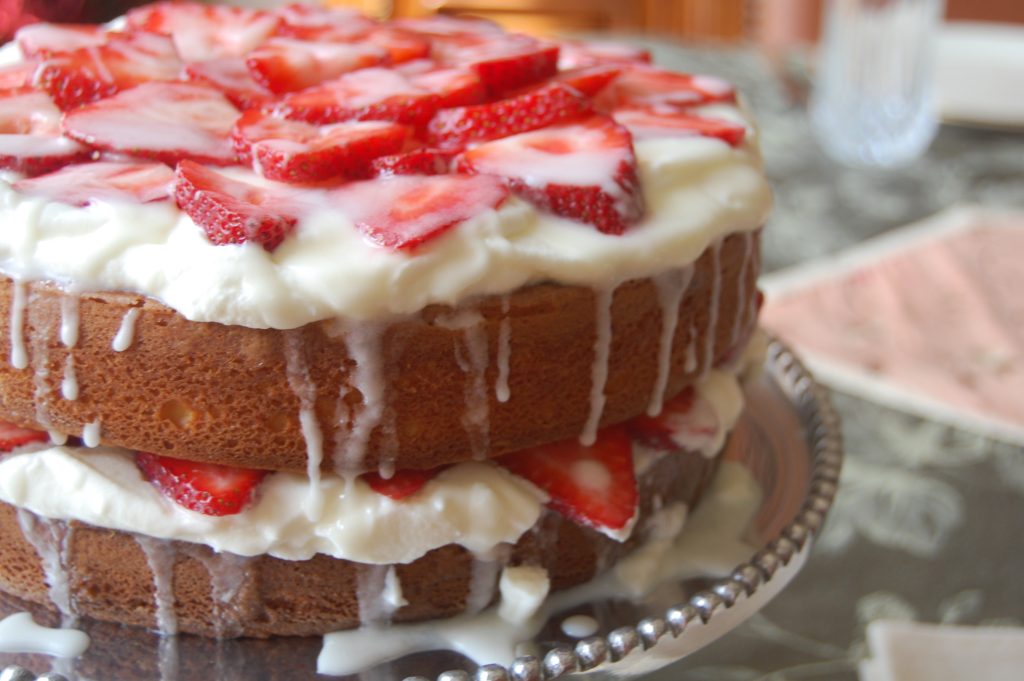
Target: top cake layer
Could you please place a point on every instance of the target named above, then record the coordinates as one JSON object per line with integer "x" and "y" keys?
{"x": 538, "y": 181}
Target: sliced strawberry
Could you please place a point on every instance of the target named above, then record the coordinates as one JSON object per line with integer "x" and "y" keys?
{"x": 17, "y": 76}
{"x": 12, "y": 436}
{"x": 665, "y": 121}
{"x": 402, "y": 212}
{"x": 454, "y": 87}
{"x": 90, "y": 73}
{"x": 641, "y": 85}
{"x": 293, "y": 151}
{"x": 313, "y": 22}
{"x": 402, "y": 484}
{"x": 165, "y": 121}
{"x": 44, "y": 40}
{"x": 202, "y": 31}
{"x": 446, "y": 25}
{"x": 686, "y": 422}
{"x": 206, "y": 488}
{"x": 540, "y": 108}
{"x": 288, "y": 64}
{"x": 585, "y": 171}
{"x": 231, "y": 76}
{"x": 594, "y": 486}
{"x": 589, "y": 79}
{"x": 416, "y": 162}
{"x": 230, "y": 211}
{"x": 376, "y": 94}
{"x": 30, "y": 140}
{"x": 574, "y": 54}
{"x": 401, "y": 46}
{"x": 504, "y": 64}
{"x": 82, "y": 184}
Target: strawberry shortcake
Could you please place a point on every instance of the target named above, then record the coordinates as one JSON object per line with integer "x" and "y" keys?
{"x": 310, "y": 321}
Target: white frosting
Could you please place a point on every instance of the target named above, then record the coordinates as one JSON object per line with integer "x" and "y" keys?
{"x": 523, "y": 590}
{"x": 696, "y": 189}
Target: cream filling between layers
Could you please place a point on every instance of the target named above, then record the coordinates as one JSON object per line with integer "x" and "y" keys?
{"x": 478, "y": 505}
{"x": 697, "y": 189}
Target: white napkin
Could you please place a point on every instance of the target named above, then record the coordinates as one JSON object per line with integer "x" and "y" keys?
{"x": 910, "y": 651}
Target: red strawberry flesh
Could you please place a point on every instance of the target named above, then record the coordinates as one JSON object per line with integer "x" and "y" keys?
{"x": 595, "y": 486}
{"x": 30, "y": 140}
{"x": 82, "y": 184}
{"x": 686, "y": 422}
{"x": 287, "y": 64}
{"x": 13, "y": 436}
{"x": 403, "y": 212}
{"x": 164, "y": 121}
{"x": 401, "y": 484}
{"x": 44, "y": 40}
{"x": 666, "y": 121}
{"x": 231, "y": 76}
{"x": 641, "y": 85}
{"x": 584, "y": 171}
{"x": 206, "y": 488}
{"x": 293, "y": 151}
{"x": 205, "y": 32}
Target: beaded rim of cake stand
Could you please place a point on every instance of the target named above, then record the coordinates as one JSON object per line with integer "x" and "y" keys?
{"x": 821, "y": 424}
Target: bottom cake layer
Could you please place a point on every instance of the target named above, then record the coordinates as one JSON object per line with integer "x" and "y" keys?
{"x": 179, "y": 586}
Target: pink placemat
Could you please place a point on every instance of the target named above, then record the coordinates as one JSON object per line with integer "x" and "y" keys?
{"x": 928, "y": 318}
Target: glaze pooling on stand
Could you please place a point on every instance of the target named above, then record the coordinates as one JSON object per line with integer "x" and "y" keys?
{"x": 302, "y": 386}
{"x": 501, "y": 389}
{"x": 52, "y": 541}
{"x": 671, "y": 287}
{"x": 713, "y": 303}
{"x": 125, "y": 335}
{"x": 19, "y": 356}
{"x": 604, "y": 297}
{"x": 19, "y": 633}
{"x": 363, "y": 341}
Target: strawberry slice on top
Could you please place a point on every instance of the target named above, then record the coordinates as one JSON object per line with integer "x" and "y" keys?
{"x": 589, "y": 80}
{"x": 30, "y": 139}
{"x": 574, "y": 54}
{"x": 86, "y": 74}
{"x": 504, "y": 63}
{"x": 85, "y": 183}
{"x": 641, "y": 85}
{"x": 231, "y": 76}
{"x": 314, "y": 22}
{"x": 423, "y": 161}
{"x": 584, "y": 171}
{"x": 594, "y": 486}
{"x": 402, "y": 46}
{"x": 371, "y": 94}
{"x": 545, "y": 106}
{"x": 13, "y": 436}
{"x": 454, "y": 87}
{"x": 665, "y": 121}
{"x": 43, "y": 40}
{"x": 17, "y": 76}
{"x": 203, "y": 31}
{"x": 402, "y": 212}
{"x": 686, "y": 422}
{"x": 293, "y": 151}
{"x": 164, "y": 121}
{"x": 206, "y": 488}
{"x": 231, "y": 211}
{"x": 289, "y": 64}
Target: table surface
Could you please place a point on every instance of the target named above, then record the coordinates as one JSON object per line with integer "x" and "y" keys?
{"x": 927, "y": 522}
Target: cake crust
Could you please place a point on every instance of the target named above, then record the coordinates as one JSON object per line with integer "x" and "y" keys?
{"x": 231, "y": 395}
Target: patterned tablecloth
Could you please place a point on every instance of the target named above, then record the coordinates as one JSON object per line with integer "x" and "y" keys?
{"x": 928, "y": 521}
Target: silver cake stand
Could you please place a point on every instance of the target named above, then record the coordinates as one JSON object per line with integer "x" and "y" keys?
{"x": 789, "y": 442}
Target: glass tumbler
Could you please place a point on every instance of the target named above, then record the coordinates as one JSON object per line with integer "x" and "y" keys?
{"x": 873, "y": 102}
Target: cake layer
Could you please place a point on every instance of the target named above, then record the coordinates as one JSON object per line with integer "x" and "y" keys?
{"x": 499, "y": 374}
{"x": 121, "y": 577}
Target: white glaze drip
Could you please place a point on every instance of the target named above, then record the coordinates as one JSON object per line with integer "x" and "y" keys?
{"x": 393, "y": 595}
{"x": 691, "y": 351}
{"x": 227, "y": 578}
{"x": 19, "y": 357}
{"x": 473, "y": 360}
{"x": 371, "y": 586}
{"x": 69, "y": 320}
{"x": 599, "y": 371}
{"x": 482, "y": 579}
{"x": 364, "y": 348}
{"x": 714, "y": 300}
{"x": 69, "y": 384}
{"x": 125, "y": 335}
{"x": 91, "y": 434}
{"x": 57, "y": 438}
{"x": 302, "y": 386}
{"x": 40, "y": 362}
{"x": 20, "y": 634}
{"x": 160, "y": 557}
{"x": 671, "y": 286}
{"x": 167, "y": 658}
{"x": 579, "y": 626}
{"x": 51, "y": 540}
{"x": 742, "y": 304}
{"x": 501, "y": 389}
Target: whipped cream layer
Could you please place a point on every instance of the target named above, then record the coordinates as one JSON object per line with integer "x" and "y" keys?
{"x": 478, "y": 505}
{"x": 696, "y": 189}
